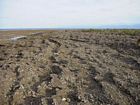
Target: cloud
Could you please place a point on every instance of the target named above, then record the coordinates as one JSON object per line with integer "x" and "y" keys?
{"x": 56, "y": 13}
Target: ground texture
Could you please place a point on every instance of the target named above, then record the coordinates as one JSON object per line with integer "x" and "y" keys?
{"x": 65, "y": 67}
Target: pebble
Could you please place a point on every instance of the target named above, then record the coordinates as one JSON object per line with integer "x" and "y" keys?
{"x": 64, "y": 99}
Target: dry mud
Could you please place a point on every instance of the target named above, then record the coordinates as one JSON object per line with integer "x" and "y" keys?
{"x": 70, "y": 68}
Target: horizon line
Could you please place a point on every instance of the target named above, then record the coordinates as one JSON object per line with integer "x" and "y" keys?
{"x": 67, "y": 28}
{"x": 127, "y": 26}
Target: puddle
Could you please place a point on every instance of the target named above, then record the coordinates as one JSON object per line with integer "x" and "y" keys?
{"x": 18, "y": 37}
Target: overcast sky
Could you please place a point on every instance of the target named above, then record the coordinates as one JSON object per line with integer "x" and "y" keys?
{"x": 68, "y": 13}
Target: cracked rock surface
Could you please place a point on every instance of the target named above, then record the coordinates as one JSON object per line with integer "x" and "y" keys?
{"x": 70, "y": 67}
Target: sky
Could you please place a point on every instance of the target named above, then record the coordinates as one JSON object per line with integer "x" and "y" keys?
{"x": 69, "y": 13}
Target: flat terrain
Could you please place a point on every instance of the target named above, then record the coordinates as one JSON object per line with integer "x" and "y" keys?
{"x": 70, "y": 67}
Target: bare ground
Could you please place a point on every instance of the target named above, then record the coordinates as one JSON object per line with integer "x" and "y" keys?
{"x": 70, "y": 67}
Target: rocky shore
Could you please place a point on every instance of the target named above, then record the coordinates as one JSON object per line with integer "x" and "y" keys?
{"x": 70, "y": 67}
